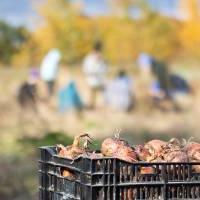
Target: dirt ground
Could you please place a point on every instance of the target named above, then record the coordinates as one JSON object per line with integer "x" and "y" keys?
{"x": 18, "y": 163}
{"x": 141, "y": 123}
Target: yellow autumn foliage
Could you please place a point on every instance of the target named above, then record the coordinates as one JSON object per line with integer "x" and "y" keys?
{"x": 190, "y": 38}
{"x": 123, "y": 37}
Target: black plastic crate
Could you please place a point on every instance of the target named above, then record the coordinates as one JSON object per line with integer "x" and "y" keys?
{"x": 113, "y": 179}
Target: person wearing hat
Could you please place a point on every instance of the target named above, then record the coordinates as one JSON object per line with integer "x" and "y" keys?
{"x": 95, "y": 69}
{"x": 27, "y": 93}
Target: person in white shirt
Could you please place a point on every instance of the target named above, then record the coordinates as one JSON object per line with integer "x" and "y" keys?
{"x": 49, "y": 69}
{"x": 119, "y": 93}
{"x": 95, "y": 69}
{"x": 144, "y": 62}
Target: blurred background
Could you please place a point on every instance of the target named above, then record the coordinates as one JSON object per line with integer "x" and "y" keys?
{"x": 97, "y": 67}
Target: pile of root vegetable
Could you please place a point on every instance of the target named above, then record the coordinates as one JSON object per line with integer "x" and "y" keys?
{"x": 152, "y": 151}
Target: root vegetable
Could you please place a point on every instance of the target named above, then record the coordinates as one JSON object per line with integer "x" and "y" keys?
{"x": 155, "y": 147}
{"x": 111, "y": 145}
{"x": 67, "y": 174}
{"x": 173, "y": 151}
{"x": 143, "y": 154}
{"x": 118, "y": 148}
{"x": 151, "y": 151}
{"x": 175, "y": 156}
{"x": 74, "y": 150}
{"x": 126, "y": 153}
{"x": 193, "y": 151}
{"x": 159, "y": 151}
{"x": 147, "y": 170}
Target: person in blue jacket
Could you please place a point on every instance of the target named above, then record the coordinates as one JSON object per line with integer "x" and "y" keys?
{"x": 69, "y": 98}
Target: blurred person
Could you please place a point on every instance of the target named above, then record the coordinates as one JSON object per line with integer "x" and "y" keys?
{"x": 95, "y": 69}
{"x": 161, "y": 90}
{"x": 156, "y": 92}
{"x": 160, "y": 72}
{"x": 69, "y": 98}
{"x": 176, "y": 95}
{"x": 49, "y": 69}
{"x": 159, "y": 98}
{"x": 171, "y": 86}
{"x": 144, "y": 62}
{"x": 179, "y": 84}
{"x": 27, "y": 93}
{"x": 118, "y": 93}
{"x": 180, "y": 90}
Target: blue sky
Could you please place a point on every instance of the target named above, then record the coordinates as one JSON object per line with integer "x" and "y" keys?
{"x": 99, "y": 6}
{"x": 95, "y": 7}
{"x": 21, "y": 12}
